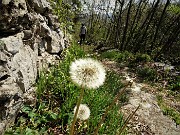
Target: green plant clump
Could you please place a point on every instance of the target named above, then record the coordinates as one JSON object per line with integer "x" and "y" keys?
{"x": 118, "y": 56}
{"x": 148, "y": 74}
{"x": 168, "y": 110}
{"x": 174, "y": 84}
{"x": 57, "y": 97}
{"x": 142, "y": 58}
{"x": 1, "y": 44}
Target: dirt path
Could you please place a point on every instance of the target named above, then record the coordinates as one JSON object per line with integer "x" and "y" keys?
{"x": 149, "y": 119}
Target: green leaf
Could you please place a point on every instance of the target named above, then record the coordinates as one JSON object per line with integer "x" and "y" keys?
{"x": 54, "y": 116}
{"x": 29, "y": 131}
{"x": 26, "y": 109}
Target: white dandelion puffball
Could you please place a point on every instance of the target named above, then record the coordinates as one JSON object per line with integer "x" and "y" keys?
{"x": 83, "y": 112}
{"x": 88, "y": 73}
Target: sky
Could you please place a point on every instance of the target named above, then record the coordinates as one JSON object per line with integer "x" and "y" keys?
{"x": 113, "y": 1}
{"x": 110, "y": 2}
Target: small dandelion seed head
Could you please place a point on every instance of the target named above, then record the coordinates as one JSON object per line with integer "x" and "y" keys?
{"x": 83, "y": 112}
{"x": 88, "y": 73}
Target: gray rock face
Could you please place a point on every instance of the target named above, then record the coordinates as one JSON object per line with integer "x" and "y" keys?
{"x": 57, "y": 43}
{"x": 40, "y": 6}
{"x": 29, "y": 35}
{"x": 12, "y": 44}
{"x": 10, "y": 103}
{"x": 20, "y": 61}
{"x": 5, "y": 2}
{"x": 10, "y": 15}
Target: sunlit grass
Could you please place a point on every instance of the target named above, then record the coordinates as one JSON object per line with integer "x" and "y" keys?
{"x": 57, "y": 97}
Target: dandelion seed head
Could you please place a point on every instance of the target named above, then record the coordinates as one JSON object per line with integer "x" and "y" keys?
{"x": 87, "y": 73}
{"x": 83, "y": 112}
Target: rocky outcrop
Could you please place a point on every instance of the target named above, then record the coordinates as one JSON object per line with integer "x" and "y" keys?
{"x": 30, "y": 39}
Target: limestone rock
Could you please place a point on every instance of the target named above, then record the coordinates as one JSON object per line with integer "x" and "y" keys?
{"x": 18, "y": 6}
{"x": 46, "y": 60}
{"x": 23, "y": 68}
{"x": 55, "y": 43}
{"x": 27, "y": 34}
{"x": 10, "y": 13}
{"x": 13, "y": 43}
{"x": 30, "y": 40}
{"x": 40, "y": 5}
{"x": 5, "y": 2}
{"x": 22, "y": 63}
{"x": 45, "y": 31}
{"x": 30, "y": 97}
{"x": 10, "y": 103}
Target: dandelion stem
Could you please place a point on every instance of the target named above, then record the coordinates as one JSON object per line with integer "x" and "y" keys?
{"x": 127, "y": 120}
{"x": 109, "y": 107}
{"x": 75, "y": 115}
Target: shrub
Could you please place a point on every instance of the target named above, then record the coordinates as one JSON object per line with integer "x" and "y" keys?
{"x": 174, "y": 82}
{"x": 142, "y": 58}
{"x": 118, "y": 56}
{"x": 147, "y": 73}
{"x": 125, "y": 57}
{"x": 112, "y": 54}
{"x": 175, "y": 86}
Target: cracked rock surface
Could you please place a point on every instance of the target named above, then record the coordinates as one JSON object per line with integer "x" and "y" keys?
{"x": 30, "y": 40}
